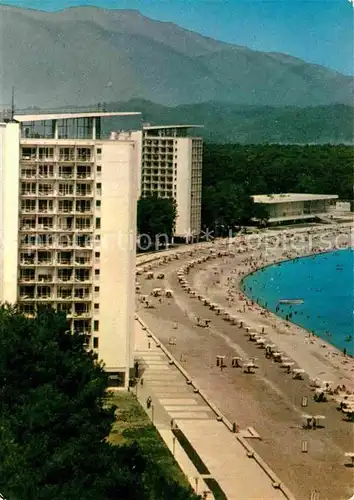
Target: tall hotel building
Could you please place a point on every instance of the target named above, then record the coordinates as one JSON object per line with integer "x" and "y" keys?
{"x": 68, "y": 227}
{"x": 171, "y": 167}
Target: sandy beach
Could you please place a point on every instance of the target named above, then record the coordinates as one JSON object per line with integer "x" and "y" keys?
{"x": 269, "y": 400}
{"x": 221, "y": 283}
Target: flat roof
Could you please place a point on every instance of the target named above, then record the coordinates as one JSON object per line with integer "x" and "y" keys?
{"x": 157, "y": 127}
{"x": 66, "y": 116}
{"x": 291, "y": 197}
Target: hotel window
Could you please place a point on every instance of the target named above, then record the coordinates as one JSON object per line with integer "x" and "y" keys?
{"x": 45, "y": 189}
{"x": 99, "y": 189}
{"x": 98, "y": 223}
{"x": 45, "y": 171}
{"x": 95, "y": 342}
{"x": 83, "y": 154}
{"x": 28, "y": 205}
{"x": 96, "y": 305}
{"x": 83, "y": 171}
{"x": 66, "y": 154}
{"x": 65, "y": 206}
{"x": 97, "y": 272}
{"x": 46, "y": 153}
{"x": 97, "y": 289}
{"x": 98, "y": 203}
{"x": 96, "y": 325}
{"x": 29, "y": 153}
{"x": 28, "y": 188}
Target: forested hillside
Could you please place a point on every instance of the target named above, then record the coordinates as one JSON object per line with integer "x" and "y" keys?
{"x": 232, "y": 172}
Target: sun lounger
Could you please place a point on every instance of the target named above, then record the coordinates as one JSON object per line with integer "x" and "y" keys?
{"x": 298, "y": 373}
{"x": 351, "y": 456}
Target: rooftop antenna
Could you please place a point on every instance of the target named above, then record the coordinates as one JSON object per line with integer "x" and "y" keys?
{"x": 13, "y": 103}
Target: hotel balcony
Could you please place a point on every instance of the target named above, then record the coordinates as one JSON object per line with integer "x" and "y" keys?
{"x": 84, "y": 241}
{"x": 28, "y": 173}
{"x": 64, "y": 242}
{"x": 83, "y": 228}
{"x": 83, "y": 172}
{"x": 65, "y": 174}
{"x": 85, "y": 298}
{"x": 28, "y": 227}
{"x": 65, "y": 208}
{"x": 27, "y": 276}
{"x": 65, "y": 275}
{"x": 65, "y": 307}
{"x": 83, "y": 262}
{"x": 81, "y": 276}
{"x": 84, "y": 191}
{"x": 64, "y": 228}
{"x": 64, "y": 262}
{"x": 82, "y": 326}
{"x": 45, "y": 278}
{"x": 28, "y": 209}
{"x": 67, "y": 192}
{"x": 64, "y": 293}
{"x": 80, "y": 314}
{"x": 29, "y": 194}
{"x": 46, "y": 172}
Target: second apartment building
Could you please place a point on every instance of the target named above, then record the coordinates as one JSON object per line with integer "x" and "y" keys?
{"x": 171, "y": 159}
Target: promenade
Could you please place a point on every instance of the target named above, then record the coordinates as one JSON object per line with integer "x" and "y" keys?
{"x": 221, "y": 462}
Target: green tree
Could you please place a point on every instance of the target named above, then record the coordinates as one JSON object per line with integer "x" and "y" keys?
{"x": 55, "y": 419}
{"x": 156, "y": 219}
{"x": 233, "y": 172}
{"x": 227, "y": 205}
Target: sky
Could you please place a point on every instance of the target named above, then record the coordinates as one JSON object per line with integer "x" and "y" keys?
{"x": 318, "y": 31}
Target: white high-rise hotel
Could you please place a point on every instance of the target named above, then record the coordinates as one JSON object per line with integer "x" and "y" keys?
{"x": 68, "y": 227}
{"x": 171, "y": 167}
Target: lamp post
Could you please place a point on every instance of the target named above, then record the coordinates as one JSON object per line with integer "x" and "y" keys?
{"x": 173, "y": 445}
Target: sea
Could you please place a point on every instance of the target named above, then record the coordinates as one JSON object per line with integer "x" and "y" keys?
{"x": 325, "y": 284}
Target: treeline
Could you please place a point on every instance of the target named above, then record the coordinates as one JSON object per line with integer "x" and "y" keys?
{"x": 233, "y": 172}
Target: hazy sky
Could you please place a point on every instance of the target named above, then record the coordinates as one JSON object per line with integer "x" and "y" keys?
{"x": 319, "y": 31}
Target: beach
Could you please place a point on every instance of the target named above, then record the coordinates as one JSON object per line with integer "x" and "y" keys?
{"x": 315, "y": 355}
{"x": 268, "y": 400}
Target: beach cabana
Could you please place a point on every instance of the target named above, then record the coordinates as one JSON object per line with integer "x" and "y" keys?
{"x": 236, "y": 361}
{"x": 249, "y": 367}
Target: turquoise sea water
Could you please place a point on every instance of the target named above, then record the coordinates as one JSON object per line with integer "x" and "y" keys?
{"x": 326, "y": 284}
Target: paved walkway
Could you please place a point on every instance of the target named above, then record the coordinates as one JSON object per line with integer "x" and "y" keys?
{"x": 170, "y": 394}
{"x": 224, "y": 457}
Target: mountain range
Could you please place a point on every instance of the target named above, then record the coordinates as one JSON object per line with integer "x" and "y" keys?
{"x": 231, "y": 123}
{"x": 86, "y": 55}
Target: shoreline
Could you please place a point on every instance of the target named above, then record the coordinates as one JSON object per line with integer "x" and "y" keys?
{"x": 312, "y": 332}
{"x": 318, "y": 357}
